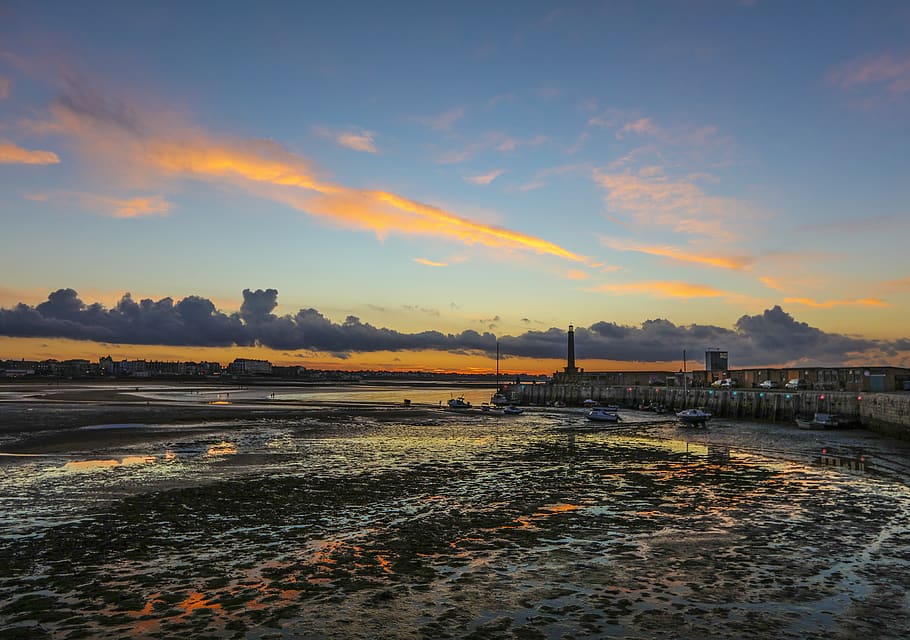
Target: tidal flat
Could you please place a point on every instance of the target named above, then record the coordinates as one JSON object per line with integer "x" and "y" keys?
{"x": 384, "y": 522}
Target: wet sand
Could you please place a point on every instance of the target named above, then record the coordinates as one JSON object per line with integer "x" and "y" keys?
{"x": 315, "y": 521}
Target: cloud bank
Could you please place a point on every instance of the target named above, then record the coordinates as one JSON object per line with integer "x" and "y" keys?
{"x": 767, "y": 339}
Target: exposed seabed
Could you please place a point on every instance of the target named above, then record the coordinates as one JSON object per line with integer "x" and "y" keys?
{"x": 379, "y": 521}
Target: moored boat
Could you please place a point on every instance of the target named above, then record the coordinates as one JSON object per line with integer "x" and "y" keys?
{"x": 822, "y": 421}
{"x": 499, "y": 399}
{"x": 512, "y": 410}
{"x": 459, "y": 403}
{"x": 693, "y": 416}
{"x": 601, "y": 414}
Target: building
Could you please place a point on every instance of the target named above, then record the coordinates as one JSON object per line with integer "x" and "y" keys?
{"x": 716, "y": 364}
{"x": 250, "y": 367}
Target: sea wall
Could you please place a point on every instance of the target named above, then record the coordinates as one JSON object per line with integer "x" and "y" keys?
{"x": 887, "y": 413}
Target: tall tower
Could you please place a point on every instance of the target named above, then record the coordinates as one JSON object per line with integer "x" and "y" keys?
{"x": 570, "y": 364}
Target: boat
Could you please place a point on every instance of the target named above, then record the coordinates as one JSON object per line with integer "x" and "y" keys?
{"x": 600, "y": 414}
{"x": 459, "y": 403}
{"x": 829, "y": 421}
{"x": 498, "y": 399}
{"x": 512, "y": 410}
{"x": 822, "y": 421}
{"x": 693, "y": 416}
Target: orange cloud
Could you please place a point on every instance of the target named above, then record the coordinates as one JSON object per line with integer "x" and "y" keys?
{"x": 771, "y": 283}
{"x": 653, "y": 200}
{"x": 577, "y": 274}
{"x": 664, "y": 289}
{"x": 358, "y": 142}
{"x": 861, "y": 302}
{"x": 14, "y": 154}
{"x": 126, "y": 138}
{"x": 486, "y": 178}
{"x": 137, "y": 207}
{"x": 697, "y": 257}
{"x": 431, "y": 263}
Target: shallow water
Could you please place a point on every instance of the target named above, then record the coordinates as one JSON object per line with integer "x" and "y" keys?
{"x": 442, "y": 525}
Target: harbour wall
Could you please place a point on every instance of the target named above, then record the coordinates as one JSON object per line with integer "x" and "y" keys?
{"x": 886, "y": 413}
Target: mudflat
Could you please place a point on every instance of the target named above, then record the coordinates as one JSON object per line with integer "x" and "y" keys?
{"x": 162, "y": 514}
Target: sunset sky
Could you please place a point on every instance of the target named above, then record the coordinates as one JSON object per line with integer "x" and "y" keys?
{"x": 401, "y": 184}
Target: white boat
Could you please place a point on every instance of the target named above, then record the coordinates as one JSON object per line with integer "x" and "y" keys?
{"x": 600, "y": 414}
{"x": 693, "y": 416}
{"x": 498, "y": 399}
{"x": 512, "y": 410}
{"x": 459, "y": 403}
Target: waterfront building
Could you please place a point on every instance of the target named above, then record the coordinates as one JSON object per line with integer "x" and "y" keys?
{"x": 716, "y": 364}
{"x": 250, "y": 367}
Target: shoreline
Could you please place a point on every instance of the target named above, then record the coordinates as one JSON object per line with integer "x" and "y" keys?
{"x": 54, "y": 419}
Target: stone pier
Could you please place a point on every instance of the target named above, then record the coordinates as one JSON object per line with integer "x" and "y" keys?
{"x": 887, "y": 413}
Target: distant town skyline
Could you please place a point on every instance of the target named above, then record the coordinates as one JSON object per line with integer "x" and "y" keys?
{"x": 420, "y": 181}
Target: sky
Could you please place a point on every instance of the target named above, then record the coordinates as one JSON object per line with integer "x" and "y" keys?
{"x": 402, "y": 185}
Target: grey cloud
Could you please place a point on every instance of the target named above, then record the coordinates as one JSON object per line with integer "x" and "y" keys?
{"x": 772, "y": 337}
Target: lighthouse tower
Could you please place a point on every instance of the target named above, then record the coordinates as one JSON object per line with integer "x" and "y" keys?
{"x": 571, "y": 369}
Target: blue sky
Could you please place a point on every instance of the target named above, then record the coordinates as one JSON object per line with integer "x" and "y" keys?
{"x": 501, "y": 168}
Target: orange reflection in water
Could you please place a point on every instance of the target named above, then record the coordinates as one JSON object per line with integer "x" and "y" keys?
{"x": 525, "y": 522}
{"x": 91, "y": 465}
{"x": 197, "y": 600}
{"x": 222, "y": 449}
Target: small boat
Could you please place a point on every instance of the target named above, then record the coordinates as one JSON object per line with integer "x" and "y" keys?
{"x": 459, "y": 403}
{"x": 600, "y": 414}
{"x": 693, "y": 416}
{"x": 512, "y": 410}
{"x": 828, "y": 420}
{"x": 498, "y": 399}
{"x": 822, "y": 421}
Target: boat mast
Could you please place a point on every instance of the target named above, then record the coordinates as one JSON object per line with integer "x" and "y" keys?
{"x": 497, "y": 366}
{"x": 685, "y": 382}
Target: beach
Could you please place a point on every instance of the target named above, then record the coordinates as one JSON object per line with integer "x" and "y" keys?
{"x": 179, "y": 510}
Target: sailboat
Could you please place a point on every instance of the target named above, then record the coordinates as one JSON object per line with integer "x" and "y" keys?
{"x": 498, "y": 399}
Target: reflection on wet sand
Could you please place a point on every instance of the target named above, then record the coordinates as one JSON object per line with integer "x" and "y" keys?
{"x": 92, "y": 465}
{"x": 222, "y": 449}
{"x": 366, "y": 528}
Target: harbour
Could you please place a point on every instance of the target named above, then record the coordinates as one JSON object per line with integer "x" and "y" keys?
{"x": 886, "y": 413}
{"x": 367, "y": 518}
